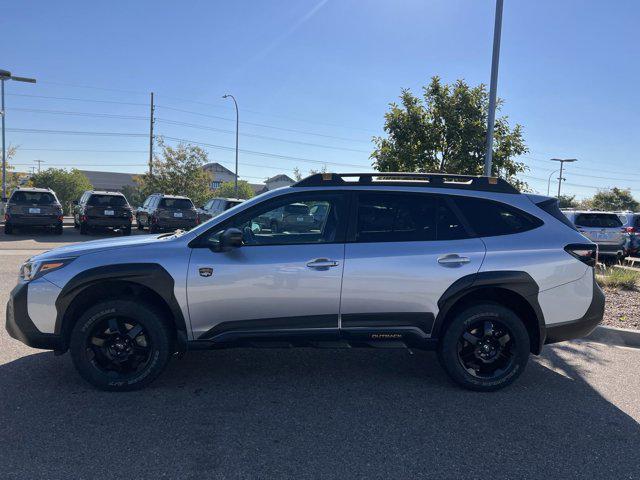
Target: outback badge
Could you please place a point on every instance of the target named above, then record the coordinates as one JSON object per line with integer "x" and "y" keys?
{"x": 205, "y": 271}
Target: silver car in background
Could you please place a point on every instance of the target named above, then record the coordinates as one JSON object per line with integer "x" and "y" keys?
{"x": 604, "y": 229}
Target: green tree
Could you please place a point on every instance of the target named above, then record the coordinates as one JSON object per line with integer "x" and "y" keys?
{"x": 445, "y": 131}
{"x": 227, "y": 190}
{"x": 567, "y": 201}
{"x": 614, "y": 199}
{"x": 178, "y": 171}
{"x": 14, "y": 179}
{"x": 68, "y": 184}
{"x": 134, "y": 194}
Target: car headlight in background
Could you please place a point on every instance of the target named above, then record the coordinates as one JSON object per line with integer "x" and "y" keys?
{"x": 32, "y": 269}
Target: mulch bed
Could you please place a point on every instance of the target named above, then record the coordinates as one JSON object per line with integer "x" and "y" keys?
{"x": 622, "y": 308}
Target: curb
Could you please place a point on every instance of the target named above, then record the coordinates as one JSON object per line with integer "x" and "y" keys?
{"x": 615, "y": 336}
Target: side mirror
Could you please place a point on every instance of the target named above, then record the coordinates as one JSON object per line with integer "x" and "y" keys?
{"x": 229, "y": 239}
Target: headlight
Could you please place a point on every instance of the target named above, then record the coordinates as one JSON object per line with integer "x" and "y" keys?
{"x": 32, "y": 269}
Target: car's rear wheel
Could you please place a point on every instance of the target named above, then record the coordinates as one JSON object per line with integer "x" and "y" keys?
{"x": 139, "y": 225}
{"x": 485, "y": 347}
{"x": 120, "y": 345}
{"x": 58, "y": 229}
{"x": 126, "y": 231}
{"x": 84, "y": 229}
{"x": 8, "y": 229}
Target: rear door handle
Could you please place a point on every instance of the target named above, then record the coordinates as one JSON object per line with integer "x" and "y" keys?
{"x": 322, "y": 263}
{"x": 453, "y": 260}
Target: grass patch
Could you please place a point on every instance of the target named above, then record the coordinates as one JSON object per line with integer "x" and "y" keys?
{"x": 620, "y": 278}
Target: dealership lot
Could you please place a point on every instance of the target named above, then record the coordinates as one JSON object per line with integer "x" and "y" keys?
{"x": 313, "y": 413}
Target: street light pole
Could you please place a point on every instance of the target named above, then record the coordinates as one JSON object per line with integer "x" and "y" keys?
{"x": 4, "y": 76}
{"x": 237, "y": 129}
{"x": 562, "y": 162}
{"x": 549, "y": 182}
{"x": 495, "y": 59}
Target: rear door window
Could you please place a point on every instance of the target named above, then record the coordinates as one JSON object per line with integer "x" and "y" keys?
{"x": 489, "y": 218}
{"x": 598, "y": 220}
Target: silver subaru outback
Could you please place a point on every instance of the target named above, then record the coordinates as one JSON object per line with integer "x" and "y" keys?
{"x": 466, "y": 266}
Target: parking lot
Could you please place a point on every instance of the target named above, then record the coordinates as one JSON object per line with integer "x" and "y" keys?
{"x": 314, "y": 413}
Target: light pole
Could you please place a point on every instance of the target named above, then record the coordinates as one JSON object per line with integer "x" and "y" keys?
{"x": 562, "y": 162}
{"x": 495, "y": 58}
{"x": 4, "y": 76}
{"x": 235, "y": 190}
{"x": 549, "y": 182}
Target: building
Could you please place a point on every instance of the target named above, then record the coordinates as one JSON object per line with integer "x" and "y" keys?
{"x": 219, "y": 174}
{"x": 111, "y": 181}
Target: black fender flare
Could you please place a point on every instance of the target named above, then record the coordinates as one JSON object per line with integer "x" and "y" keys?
{"x": 150, "y": 275}
{"x": 517, "y": 282}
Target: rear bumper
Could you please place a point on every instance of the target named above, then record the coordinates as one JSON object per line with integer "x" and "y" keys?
{"x": 583, "y": 326}
{"x": 34, "y": 221}
{"x": 21, "y": 327}
{"x": 113, "y": 222}
{"x": 606, "y": 250}
{"x": 170, "y": 223}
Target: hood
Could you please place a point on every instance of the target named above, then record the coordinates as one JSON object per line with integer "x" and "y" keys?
{"x": 99, "y": 245}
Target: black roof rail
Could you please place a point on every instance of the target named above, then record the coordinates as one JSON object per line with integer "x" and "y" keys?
{"x": 435, "y": 180}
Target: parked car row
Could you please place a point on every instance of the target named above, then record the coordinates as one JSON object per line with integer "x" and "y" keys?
{"x": 39, "y": 207}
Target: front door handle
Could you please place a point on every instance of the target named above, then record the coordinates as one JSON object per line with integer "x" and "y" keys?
{"x": 322, "y": 263}
{"x": 453, "y": 260}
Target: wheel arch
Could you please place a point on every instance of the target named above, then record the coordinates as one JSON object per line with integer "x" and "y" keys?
{"x": 512, "y": 289}
{"x": 148, "y": 282}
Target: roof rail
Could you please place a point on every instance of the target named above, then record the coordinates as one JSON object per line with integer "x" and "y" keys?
{"x": 434, "y": 180}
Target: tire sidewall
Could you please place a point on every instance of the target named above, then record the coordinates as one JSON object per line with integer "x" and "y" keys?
{"x": 448, "y": 353}
{"x": 154, "y": 327}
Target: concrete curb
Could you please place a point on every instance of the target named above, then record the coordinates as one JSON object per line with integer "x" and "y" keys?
{"x": 615, "y": 336}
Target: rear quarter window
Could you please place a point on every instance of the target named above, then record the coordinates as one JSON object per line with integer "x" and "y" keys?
{"x": 489, "y": 218}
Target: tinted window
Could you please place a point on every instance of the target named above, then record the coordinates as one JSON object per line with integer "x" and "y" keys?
{"x": 107, "y": 200}
{"x": 598, "y": 220}
{"x": 636, "y": 222}
{"x": 267, "y": 225}
{"x": 32, "y": 198}
{"x": 552, "y": 208}
{"x": 489, "y": 218}
{"x": 176, "y": 203}
{"x": 231, "y": 204}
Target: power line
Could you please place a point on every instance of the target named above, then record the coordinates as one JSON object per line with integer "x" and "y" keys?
{"x": 81, "y": 114}
{"x": 81, "y": 150}
{"x": 76, "y": 132}
{"x": 91, "y": 100}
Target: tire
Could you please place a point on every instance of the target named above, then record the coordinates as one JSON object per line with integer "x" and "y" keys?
{"x": 84, "y": 230}
{"x": 138, "y": 339}
{"x": 485, "y": 348}
{"x": 153, "y": 228}
{"x": 75, "y": 224}
{"x": 126, "y": 231}
{"x": 58, "y": 230}
{"x": 139, "y": 225}
{"x": 8, "y": 229}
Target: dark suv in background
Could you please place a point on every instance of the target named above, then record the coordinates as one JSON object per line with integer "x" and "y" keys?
{"x": 33, "y": 207}
{"x": 166, "y": 212}
{"x": 102, "y": 209}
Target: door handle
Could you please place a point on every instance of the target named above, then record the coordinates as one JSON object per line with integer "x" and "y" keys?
{"x": 322, "y": 263}
{"x": 453, "y": 260}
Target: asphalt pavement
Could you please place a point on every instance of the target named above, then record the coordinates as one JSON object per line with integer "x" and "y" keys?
{"x": 309, "y": 413}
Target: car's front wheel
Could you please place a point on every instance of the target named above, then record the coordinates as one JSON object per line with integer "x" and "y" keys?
{"x": 485, "y": 347}
{"x": 120, "y": 345}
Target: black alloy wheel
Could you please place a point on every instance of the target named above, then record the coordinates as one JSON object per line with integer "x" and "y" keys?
{"x": 486, "y": 349}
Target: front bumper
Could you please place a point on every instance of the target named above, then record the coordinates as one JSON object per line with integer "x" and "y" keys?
{"x": 21, "y": 327}
{"x": 583, "y": 326}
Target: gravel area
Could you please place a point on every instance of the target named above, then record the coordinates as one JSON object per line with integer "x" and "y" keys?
{"x": 622, "y": 308}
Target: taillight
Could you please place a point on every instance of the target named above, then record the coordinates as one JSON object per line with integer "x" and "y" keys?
{"x": 6, "y": 217}
{"x": 629, "y": 229}
{"x": 587, "y": 253}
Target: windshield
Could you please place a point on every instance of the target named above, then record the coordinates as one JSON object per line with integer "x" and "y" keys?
{"x": 176, "y": 203}
{"x": 107, "y": 200}
{"x": 598, "y": 220}
{"x": 32, "y": 198}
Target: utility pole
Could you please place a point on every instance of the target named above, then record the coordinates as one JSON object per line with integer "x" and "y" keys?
{"x": 151, "y": 122}
{"x": 495, "y": 59}
{"x": 237, "y": 129}
{"x": 39, "y": 162}
{"x": 562, "y": 162}
{"x": 4, "y": 76}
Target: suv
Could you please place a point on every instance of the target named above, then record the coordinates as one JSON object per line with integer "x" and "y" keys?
{"x": 603, "y": 228}
{"x": 29, "y": 207}
{"x": 216, "y": 206}
{"x": 631, "y": 224}
{"x": 296, "y": 217}
{"x": 467, "y": 266}
{"x": 102, "y": 209}
{"x": 166, "y": 212}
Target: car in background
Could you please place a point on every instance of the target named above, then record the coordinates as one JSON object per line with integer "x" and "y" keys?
{"x": 631, "y": 224}
{"x": 216, "y": 206}
{"x": 295, "y": 217}
{"x": 167, "y": 212}
{"x": 102, "y": 209}
{"x": 604, "y": 229}
{"x": 33, "y": 207}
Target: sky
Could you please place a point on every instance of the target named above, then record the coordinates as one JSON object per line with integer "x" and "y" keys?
{"x": 314, "y": 78}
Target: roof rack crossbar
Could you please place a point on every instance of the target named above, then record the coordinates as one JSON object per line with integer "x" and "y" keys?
{"x": 438, "y": 180}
